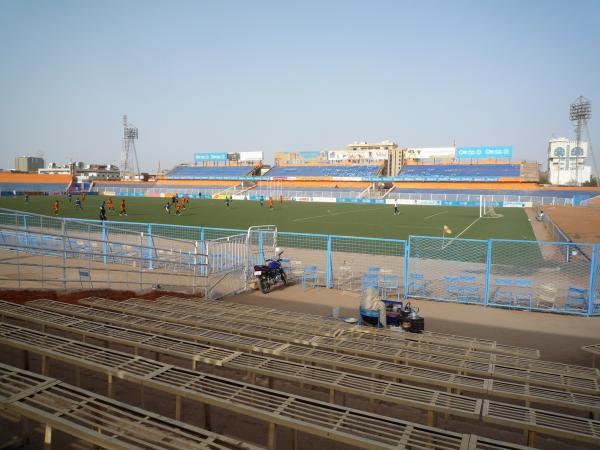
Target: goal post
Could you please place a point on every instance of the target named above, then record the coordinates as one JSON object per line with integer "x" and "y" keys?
{"x": 486, "y": 208}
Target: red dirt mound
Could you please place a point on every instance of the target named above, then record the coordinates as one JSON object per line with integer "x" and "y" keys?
{"x": 24, "y": 295}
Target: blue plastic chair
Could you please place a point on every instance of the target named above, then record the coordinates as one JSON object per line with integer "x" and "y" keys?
{"x": 370, "y": 280}
{"x": 577, "y": 298}
{"x": 523, "y": 293}
{"x": 374, "y": 269}
{"x": 310, "y": 276}
{"x": 416, "y": 284}
{"x": 504, "y": 291}
{"x": 390, "y": 283}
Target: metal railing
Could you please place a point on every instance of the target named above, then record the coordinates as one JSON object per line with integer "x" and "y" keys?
{"x": 554, "y": 276}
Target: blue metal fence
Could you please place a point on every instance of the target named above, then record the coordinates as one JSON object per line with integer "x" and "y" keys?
{"x": 559, "y": 277}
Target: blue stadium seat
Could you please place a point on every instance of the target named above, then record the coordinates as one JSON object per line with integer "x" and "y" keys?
{"x": 463, "y": 170}
{"x": 207, "y": 172}
{"x": 331, "y": 170}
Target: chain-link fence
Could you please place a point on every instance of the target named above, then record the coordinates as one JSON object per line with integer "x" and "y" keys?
{"x": 447, "y": 269}
{"x": 551, "y": 276}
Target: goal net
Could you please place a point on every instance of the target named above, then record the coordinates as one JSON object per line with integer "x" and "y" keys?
{"x": 486, "y": 208}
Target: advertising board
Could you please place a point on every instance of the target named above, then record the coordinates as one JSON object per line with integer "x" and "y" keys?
{"x": 201, "y": 157}
{"x": 429, "y": 152}
{"x": 251, "y": 156}
{"x": 304, "y": 156}
{"x": 356, "y": 155}
{"x": 496, "y": 151}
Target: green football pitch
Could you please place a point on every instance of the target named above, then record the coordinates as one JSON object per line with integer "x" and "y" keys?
{"x": 322, "y": 218}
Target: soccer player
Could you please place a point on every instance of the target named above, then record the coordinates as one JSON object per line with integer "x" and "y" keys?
{"x": 227, "y": 201}
{"x": 78, "y": 204}
{"x": 396, "y": 212}
{"x": 123, "y": 211}
{"x": 56, "y": 207}
{"x": 187, "y": 201}
{"x": 102, "y": 212}
{"x": 168, "y": 208}
{"x": 270, "y": 202}
{"x": 281, "y": 199}
{"x": 110, "y": 205}
{"x": 26, "y": 199}
{"x": 178, "y": 208}
{"x": 261, "y": 200}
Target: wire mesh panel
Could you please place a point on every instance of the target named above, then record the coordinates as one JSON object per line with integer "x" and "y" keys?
{"x": 305, "y": 251}
{"x": 595, "y": 284}
{"x": 226, "y": 265}
{"x": 540, "y": 275}
{"x": 447, "y": 269}
{"x": 353, "y": 257}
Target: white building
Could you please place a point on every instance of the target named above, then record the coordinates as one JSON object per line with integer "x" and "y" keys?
{"x": 566, "y": 162}
{"x": 84, "y": 172}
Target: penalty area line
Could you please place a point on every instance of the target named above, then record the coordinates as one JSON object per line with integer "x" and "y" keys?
{"x": 436, "y": 214}
{"x": 336, "y": 214}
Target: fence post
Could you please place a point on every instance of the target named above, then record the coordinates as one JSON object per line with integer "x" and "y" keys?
{"x": 329, "y": 265}
{"x": 104, "y": 255}
{"x": 488, "y": 273}
{"x": 150, "y": 247}
{"x": 141, "y": 261}
{"x": 25, "y": 228}
{"x": 203, "y": 251}
{"x": 406, "y": 266}
{"x": 594, "y": 273}
{"x": 64, "y": 264}
{"x": 261, "y": 255}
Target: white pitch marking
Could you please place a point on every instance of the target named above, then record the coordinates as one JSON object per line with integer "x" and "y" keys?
{"x": 337, "y": 214}
{"x": 436, "y": 214}
{"x": 461, "y": 233}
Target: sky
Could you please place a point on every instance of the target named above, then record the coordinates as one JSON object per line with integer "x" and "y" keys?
{"x": 229, "y": 76}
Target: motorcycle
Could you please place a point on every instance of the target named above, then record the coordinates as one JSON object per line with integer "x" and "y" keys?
{"x": 271, "y": 273}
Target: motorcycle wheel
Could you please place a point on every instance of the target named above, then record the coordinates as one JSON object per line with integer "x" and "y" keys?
{"x": 283, "y": 278}
{"x": 265, "y": 287}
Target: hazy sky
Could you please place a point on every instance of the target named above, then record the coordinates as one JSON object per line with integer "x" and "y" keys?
{"x": 281, "y": 76}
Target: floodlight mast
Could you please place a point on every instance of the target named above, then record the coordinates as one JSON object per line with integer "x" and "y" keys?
{"x": 129, "y": 159}
{"x": 580, "y": 111}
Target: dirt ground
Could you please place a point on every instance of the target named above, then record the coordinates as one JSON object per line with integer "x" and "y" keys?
{"x": 580, "y": 224}
{"x": 559, "y": 338}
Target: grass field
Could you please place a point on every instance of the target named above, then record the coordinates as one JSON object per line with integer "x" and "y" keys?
{"x": 323, "y": 218}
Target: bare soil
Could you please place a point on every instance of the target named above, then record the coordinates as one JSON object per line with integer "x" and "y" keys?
{"x": 580, "y": 224}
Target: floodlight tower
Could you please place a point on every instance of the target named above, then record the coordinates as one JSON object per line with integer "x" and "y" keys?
{"x": 579, "y": 113}
{"x": 129, "y": 159}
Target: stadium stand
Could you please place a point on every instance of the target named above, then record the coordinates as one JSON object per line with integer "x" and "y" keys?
{"x": 462, "y": 170}
{"x": 207, "y": 172}
{"x": 324, "y": 171}
{"x": 29, "y": 183}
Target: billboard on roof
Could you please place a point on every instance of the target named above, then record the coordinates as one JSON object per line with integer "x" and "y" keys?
{"x": 251, "y": 156}
{"x": 201, "y": 157}
{"x": 357, "y": 155}
{"x": 429, "y": 152}
{"x": 496, "y": 151}
{"x": 305, "y": 156}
